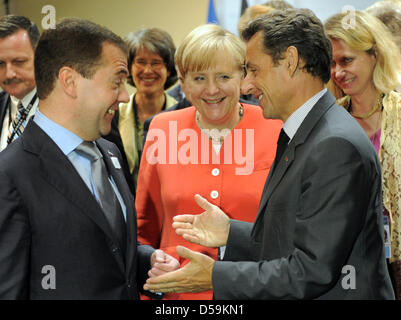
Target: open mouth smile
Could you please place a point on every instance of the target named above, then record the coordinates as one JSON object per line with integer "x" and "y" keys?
{"x": 214, "y": 101}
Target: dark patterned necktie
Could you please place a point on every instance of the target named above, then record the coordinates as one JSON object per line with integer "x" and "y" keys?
{"x": 17, "y": 126}
{"x": 282, "y": 144}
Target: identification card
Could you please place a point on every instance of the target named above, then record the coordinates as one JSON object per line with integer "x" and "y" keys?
{"x": 116, "y": 163}
{"x": 387, "y": 238}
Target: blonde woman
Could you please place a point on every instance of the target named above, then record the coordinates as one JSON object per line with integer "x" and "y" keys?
{"x": 366, "y": 64}
{"x": 198, "y": 149}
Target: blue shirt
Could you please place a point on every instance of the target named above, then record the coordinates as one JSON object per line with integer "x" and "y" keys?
{"x": 68, "y": 141}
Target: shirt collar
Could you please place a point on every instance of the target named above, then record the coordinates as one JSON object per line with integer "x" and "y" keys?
{"x": 295, "y": 120}
{"x": 25, "y": 100}
{"x": 65, "y": 139}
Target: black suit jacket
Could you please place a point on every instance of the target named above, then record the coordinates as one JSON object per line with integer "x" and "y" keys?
{"x": 4, "y": 101}
{"x": 319, "y": 229}
{"x": 48, "y": 216}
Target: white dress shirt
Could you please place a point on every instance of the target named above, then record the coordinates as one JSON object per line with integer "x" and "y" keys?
{"x": 12, "y": 111}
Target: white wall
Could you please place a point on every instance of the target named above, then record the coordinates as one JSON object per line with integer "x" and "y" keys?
{"x": 228, "y": 11}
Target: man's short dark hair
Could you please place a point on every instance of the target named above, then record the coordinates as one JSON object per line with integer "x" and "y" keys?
{"x": 75, "y": 43}
{"x": 156, "y": 41}
{"x": 11, "y": 24}
{"x": 299, "y": 28}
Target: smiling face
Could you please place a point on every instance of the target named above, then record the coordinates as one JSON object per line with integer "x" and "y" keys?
{"x": 100, "y": 96}
{"x": 352, "y": 70}
{"x": 149, "y": 72}
{"x": 265, "y": 80}
{"x": 215, "y": 92}
{"x": 17, "y": 75}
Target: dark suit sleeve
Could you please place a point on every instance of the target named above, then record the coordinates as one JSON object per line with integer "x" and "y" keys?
{"x": 334, "y": 195}
{"x": 240, "y": 236}
{"x": 14, "y": 243}
{"x": 144, "y": 255}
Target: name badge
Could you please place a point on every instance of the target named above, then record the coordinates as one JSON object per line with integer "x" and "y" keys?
{"x": 387, "y": 237}
{"x": 116, "y": 163}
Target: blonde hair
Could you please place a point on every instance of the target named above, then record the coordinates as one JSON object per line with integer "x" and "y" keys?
{"x": 252, "y": 13}
{"x": 200, "y": 48}
{"x": 388, "y": 12}
{"x": 370, "y": 35}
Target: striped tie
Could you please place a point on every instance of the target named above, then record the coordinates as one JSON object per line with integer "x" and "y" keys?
{"x": 17, "y": 126}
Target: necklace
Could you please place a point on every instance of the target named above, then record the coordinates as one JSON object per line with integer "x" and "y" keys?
{"x": 373, "y": 111}
{"x": 215, "y": 135}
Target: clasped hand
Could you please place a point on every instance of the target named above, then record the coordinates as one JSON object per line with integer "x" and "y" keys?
{"x": 209, "y": 229}
{"x": 162, "y": 263}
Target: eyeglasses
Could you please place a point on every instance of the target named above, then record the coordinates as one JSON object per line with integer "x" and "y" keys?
{"x": 154, "y": 64}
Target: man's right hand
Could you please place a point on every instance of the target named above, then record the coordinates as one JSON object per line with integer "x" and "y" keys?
{"x": 209, "y": 229}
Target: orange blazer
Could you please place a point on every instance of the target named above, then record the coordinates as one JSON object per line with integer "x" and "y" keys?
{"x": 179, "y": 161}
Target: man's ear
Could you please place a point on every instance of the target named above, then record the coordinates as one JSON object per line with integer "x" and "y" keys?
{"x": 292, "y": 59}
{"x": 68, "y": 81}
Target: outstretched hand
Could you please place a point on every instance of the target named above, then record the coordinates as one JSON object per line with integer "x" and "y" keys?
{"x": 209, "y": 229}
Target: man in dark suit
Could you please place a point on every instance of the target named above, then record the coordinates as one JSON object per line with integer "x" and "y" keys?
{"x": 319, "y": 231}
{"x": 65, "y": 233}
{"x": 18, "y": 39}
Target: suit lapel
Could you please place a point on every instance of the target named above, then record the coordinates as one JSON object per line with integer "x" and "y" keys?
{"x": 59, "y": 172}
{"x": 4, "y": 102}
{"x": 288, "y": 156}
{"x": 274, "y": 179}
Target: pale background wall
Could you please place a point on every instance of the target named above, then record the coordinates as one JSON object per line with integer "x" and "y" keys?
{"x": 226, "y": 9}
{"x": 177, "y": 17}
{"x": 326, "y": 8}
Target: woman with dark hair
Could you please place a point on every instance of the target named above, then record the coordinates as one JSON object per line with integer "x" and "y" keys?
{"x": 152, "y": 71}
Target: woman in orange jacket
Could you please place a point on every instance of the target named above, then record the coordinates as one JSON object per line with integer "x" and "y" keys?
{"x": 219, "y": 147}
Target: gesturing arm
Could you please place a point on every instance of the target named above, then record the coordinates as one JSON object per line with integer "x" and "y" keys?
{"x": 336, "y": 189}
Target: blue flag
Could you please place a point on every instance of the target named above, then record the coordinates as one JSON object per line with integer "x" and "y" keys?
{"x": 211, "y": 13}
{"x": 244, "y": 5}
